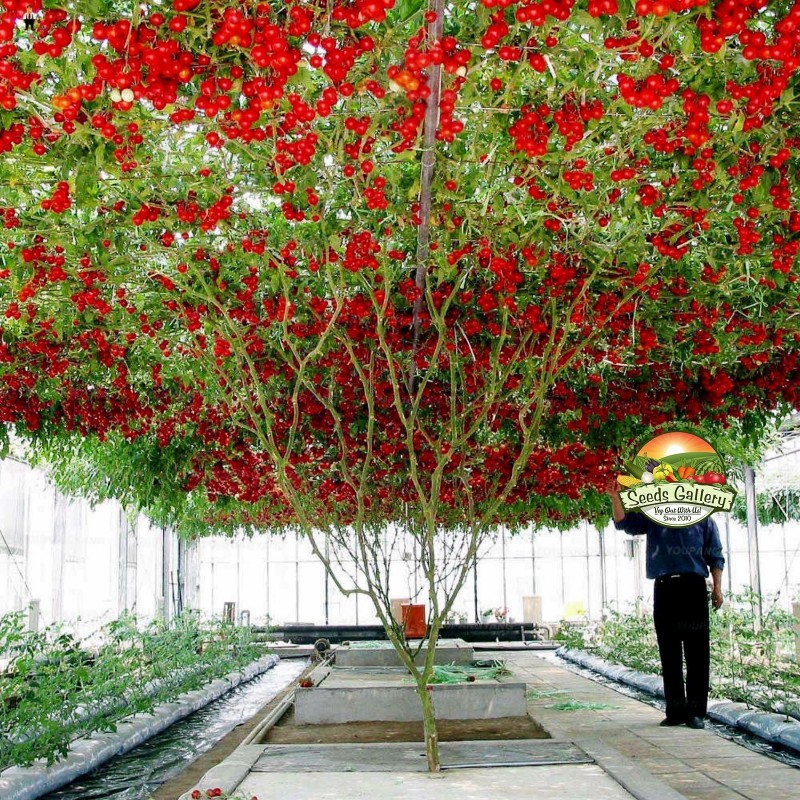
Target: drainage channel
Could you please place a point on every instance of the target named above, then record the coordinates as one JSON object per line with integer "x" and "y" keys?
{"x": 135, "y": 775}
{"x": 743, "y": 738}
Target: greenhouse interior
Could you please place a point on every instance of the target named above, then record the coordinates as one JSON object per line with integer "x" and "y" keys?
{"x": 400, "y": 397}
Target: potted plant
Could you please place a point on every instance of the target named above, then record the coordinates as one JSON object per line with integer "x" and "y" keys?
{"x": 501, "y": 614}
{"x": 486, "y": 615}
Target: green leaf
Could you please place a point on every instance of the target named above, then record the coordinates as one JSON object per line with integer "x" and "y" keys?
{"x": 405, "y": 9}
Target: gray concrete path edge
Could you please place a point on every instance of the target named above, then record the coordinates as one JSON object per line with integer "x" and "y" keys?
{"x": 774, "y": 728}
{"x": 636, "y": 780}
{"x": 228, "y": 774}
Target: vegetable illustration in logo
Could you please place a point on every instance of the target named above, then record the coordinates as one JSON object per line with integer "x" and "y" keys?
{"x": 667, "y": 480}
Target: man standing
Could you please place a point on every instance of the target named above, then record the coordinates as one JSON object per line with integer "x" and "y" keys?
{"x": 679, "y": 559}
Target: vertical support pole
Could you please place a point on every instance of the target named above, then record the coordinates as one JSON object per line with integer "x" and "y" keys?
{"x": 133, "y": 564}
{"x": 213, "y": 605}
{"x": 165, "y": 570}
{"x": 59, "y": 537}
{"x": 503, "y": 556}
{"x": 430, "y": 124}
{"x": 561, "y": 559}
{"x": 33, "y": 616}
{"x": 181, "y": 576}
{"x": 122, "y": 561}
{"x": 297, "y": 577}
{"x": 603, "y": 576}
{"x": 588, "y": 569}
{"x": 27, "y": 551}
{"x": 327, "y": 581}
{"x": 786, "y": 563}
{"x": 191, "y": 577}
{"x": 238, "y": 573}
{"x": 266, "y": 582}
{"x": 533, "y": 562}
{"x": 728, "y": 555}
{"x": 637, "y": 572}
{"x": 475, "y": 588}
{"x": 416, "y": 570}
{"x": 752, "y": 537}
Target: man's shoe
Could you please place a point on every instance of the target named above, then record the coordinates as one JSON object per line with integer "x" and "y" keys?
{"x": 696, "y": 723}
{"x": 670, "y": 722}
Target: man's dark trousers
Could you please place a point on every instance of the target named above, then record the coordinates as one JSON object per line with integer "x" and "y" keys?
{"x": 680, "y": 613}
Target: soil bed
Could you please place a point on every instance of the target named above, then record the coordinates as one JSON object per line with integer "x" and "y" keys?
{"x": 287, "y": 732}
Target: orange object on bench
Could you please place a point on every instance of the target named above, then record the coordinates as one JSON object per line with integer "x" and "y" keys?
{"x": 414, "y": 621}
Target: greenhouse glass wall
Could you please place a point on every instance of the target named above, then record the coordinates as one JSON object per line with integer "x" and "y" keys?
{"x": 75, "y": 562}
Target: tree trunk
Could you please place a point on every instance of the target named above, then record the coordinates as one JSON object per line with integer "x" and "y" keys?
{"x": 429, "y": 725}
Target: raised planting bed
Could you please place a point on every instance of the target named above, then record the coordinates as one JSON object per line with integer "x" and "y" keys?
{"x": 354, "y": 695}
{"x": 383, "y": 654}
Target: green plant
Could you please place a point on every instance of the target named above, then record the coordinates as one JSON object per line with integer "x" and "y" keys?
{"x": 773, "y": 506}
{"x": 580, "y": 705}
{"x": 54, "y": 690}
{"x": 571, "y": 634}
{"x": 629, "y": 639}
{"x": 752, "y": 654}
{"x": 751, "y": 660}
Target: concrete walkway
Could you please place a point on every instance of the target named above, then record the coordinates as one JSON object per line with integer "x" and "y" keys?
{"x": 634, "y": 758}
{"x": 698, "y": 764}
{"x": 578, "y": 782}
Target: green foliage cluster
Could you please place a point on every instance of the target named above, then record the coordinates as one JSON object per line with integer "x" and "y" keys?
{"x": 754, "y": 663}
{"x": 773, "y": 507}
{"x": 571, "y": 635}
{"x": 629, "y": 639}
{"x": 143, "y": 317}
{"x": 750, "y": 663}
{"x": 54, "y": 689}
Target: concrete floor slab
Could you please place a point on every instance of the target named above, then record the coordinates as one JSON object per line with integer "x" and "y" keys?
{"x": 410, "y": 757}
{"x": 687, "y": 760}
{"x": 580, "y": 782}
{"x": 663, "y": 766}
{"x": 728, "y": 761}
{"x": 717, "y": 793}
{"x": 634, "y": 758}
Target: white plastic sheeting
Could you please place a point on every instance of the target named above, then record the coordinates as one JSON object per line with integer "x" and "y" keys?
{"x": 28, "y": 783}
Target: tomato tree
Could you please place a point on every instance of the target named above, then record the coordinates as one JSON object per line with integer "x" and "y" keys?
{"x": 339, "y": 265}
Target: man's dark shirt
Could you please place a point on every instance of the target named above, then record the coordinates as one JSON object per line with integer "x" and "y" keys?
{"x": 677, "y": 551}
